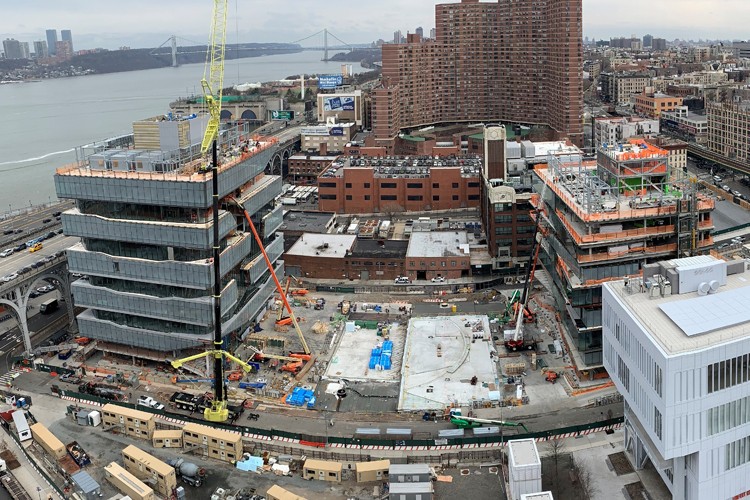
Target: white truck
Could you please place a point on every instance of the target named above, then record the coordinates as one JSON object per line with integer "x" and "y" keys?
{"x": 150, "y": 402}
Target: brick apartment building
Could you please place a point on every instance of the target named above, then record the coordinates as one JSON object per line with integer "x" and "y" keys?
{"x": 305, "y": 168}
{"x": 368, "y": 185}
{"x": 480, "y": 67}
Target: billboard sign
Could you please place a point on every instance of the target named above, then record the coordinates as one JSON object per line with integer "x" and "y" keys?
{"x": 330, "y": 81}
{"x": 336, "y": 131}
{"x": 314, "y": 131}
{"x": 282, "y": 115}
{"x": 342, "y": 103}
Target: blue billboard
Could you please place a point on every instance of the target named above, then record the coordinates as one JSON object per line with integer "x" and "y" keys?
{"x": 330, "y": 81}
{"x": 345, "y": 103}
{"x": 336, "y": 131}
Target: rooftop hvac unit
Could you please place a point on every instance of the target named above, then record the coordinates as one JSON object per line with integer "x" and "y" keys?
{"x": 704, "y": 288}
{"x": 714, "y": 286}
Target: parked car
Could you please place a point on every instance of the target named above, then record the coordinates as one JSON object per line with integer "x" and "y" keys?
{"x": 46, "y": 221}
{"x": 726, "y": 188}
{"x": 56, "y": 214}
{"x": 8, "y": 231}
{"x": 51, "y": 234}
{"x": 20, "y": 247}
{"x": 402, "y": 280}
{"x": 24, "y": 270}
{"x": 37, "y": 264}
{"x": 70, "y": 378}
{"x": 7, "y": 253}
{"x": 438, "y": 279}
{"x": 737, "y": 194}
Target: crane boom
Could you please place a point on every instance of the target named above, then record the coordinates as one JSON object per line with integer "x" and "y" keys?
{"x": 213, "y": 82}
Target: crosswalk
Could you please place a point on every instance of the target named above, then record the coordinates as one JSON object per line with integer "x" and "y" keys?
{"x": 7, "y": 378}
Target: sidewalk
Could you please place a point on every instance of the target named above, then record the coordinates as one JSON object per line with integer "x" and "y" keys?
{"x": 27, "y": 475}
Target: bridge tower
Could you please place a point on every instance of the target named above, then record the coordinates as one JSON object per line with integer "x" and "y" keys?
{"x": 174, "y": 51}
{"x": 325, "y": 44}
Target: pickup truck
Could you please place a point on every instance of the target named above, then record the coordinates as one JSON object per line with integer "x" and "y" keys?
{"x": 150, "y": 402}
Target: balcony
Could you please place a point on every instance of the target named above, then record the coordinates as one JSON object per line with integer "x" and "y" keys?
{"x": 257, "y": 267}
{"x": 197, "y": 311}
{"x": 256, "y": 304}
{"x": 181, "y": 235}
{"x": 272, "y": 221}
{"x": 261, "y": 193}
{"x": 609, "y": 238}
{"x": 643, "y": 251}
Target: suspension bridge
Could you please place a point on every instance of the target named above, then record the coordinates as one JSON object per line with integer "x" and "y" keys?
{"x": 320, "y": 41}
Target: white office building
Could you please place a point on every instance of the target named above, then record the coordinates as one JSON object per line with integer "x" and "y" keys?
{"x": 677, "y": 345}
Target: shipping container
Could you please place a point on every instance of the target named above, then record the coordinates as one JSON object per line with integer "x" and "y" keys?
{"x": 48, "y": 441}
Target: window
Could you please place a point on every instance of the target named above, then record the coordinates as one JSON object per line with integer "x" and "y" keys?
{"x": 720, "y": 375}
{"x": 414, "y": 198}
{"x": 737, "y": 453}
{"x": 455, "y": 197}
{"x": 367, "y": 197}
{"x": 388, "y": 185}
{"x": 348, "y": 197}
{"x": 411, "y": 263}
{"x": 348, "y": 185}
{"x": 473, "y": 184}
{"x": 442, "y": 264}
{"x": 500, "y": 219}
{"x": 657, "y": 422}
{"x": 327, "y": 196}
{"x": 473, "y": 197}
{"x": 435, "y": 198}
{"x": 388, "y": 197}
{"x": 454, "y": 185}
{"x": 414, "y": 185}
{"x": 453, "y": 263}
{"x": 327, "y": 184}
{"x": 435, "y": 185}
{"x": 367, "y": 185}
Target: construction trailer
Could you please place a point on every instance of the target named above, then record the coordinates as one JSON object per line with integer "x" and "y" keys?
{"x": 276, "y": 492}
{"x": 167, "y": 438}
{"x": 213, "y": 443}
{"x": 48, "y": 441}
{"x": 135, "y": 423}
{"x": 127, "y": 484}
{"x": 322, "y": 470}
{"x": 368, "y": 472}
{"x": 151, "y": 469}
{"x": 411, "y": 491}
{"x": 409, "y": 473}
{"x": 85, "y": 486}
{"x": 22, "y": 425}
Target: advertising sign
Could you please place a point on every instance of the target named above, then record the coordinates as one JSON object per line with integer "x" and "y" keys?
{"x": 330, "y": 81}
{"x": 282, "y": 115}
{"x": 343, "y": 103}
{"x": 314, "y": 131}
{"x": 336, "y": 131}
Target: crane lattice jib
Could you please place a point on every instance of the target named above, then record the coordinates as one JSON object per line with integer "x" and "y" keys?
{"x": 213, "y": 82}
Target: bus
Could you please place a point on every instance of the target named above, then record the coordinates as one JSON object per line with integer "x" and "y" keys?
{"x": 48, "y": 306}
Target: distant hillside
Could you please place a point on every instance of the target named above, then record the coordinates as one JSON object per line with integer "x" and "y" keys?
{"x": 136, "y": 59}
{"x": 364, "y": 56}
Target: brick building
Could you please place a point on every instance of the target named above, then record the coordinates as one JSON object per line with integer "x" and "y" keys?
{"x": 368, "y": 185}
{"x": 482, "y": 68}
{"x": 304, "y": 168}
{"x": 651, "y": 104}
{"x": 438, "y": 253}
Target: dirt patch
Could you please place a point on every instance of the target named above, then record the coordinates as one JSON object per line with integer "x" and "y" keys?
{"x": 10, "y": 459}
{"x": 620, "y": 463}
{"x": 635, "y": 490}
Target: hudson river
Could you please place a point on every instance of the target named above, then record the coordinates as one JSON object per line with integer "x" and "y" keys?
{"x": 41, "y": 123}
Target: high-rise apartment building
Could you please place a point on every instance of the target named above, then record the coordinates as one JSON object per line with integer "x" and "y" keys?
{"x": 659, "y": 44}
{"x": 397, "y": 36}
{"x": 52, "y": 42}
{"x": 40, "y": 49}
{"x": 480, "y": 67}
{"x": 729, "y": 129}
{"x": 67, "y": 36}
{"x": 12, "y": 49}
{"x": 419, "y": 31}
{"x": 647, "y": 40}
{"x": 145, "y": 219}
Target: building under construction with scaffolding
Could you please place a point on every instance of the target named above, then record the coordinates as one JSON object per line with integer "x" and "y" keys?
{"x": 607, "y": 219}
{"x": 144, "y": 215}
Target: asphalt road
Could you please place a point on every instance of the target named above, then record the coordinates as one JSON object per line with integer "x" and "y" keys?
{"x": 12, "y": 339}
{"x": 31, "y": 224}
{"x": 13, "y": 263}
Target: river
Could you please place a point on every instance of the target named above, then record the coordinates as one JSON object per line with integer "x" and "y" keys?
{"x": 41, "y": 123}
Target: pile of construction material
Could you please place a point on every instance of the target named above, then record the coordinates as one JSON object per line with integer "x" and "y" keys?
{"x": 380, "y": 357}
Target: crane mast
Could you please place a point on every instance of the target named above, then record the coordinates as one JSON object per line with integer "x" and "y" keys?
{"x": 213, "y": 72}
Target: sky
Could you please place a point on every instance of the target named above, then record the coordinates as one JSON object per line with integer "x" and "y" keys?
{"x": 148, "y": 23}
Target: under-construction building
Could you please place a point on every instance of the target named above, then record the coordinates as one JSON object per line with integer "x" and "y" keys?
{"x": 608, "y": 218}
{"x": 144, "y": 215}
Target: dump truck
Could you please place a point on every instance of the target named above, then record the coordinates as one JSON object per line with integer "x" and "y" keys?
{"x": 79, "y": 456}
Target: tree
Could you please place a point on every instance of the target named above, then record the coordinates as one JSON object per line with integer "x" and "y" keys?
{"x": 585, "y": 479}
{"x": 556, "y": 449}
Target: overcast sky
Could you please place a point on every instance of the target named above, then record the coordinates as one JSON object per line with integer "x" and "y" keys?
{"x": 147, "y": 23}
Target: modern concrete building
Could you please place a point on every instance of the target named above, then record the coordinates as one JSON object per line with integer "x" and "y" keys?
{"x": 677, "y": 347}
{"x": 608, "y": 220}
{"x": 145, "y": 221}
{"x": 483, "y": 68}
{"x": 368, "y": 185}
{"x": 729, "y": 129}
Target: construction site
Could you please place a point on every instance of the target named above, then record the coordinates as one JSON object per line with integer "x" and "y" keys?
{"x": 606, "y": 219}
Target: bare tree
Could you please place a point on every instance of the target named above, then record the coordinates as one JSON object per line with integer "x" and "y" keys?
{"x": 556, "y": 449}
{"x": 585, "y": 479}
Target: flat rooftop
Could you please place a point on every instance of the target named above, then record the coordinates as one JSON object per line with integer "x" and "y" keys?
{"x": 438, "y": 244}
{"x": 307, "y": 222}
{"x": 440, "y": 359}
{"x": 388, "y": 249}
{"x": 523, "y": 452}
{"x": 323, "y": 245}
{"x": 405, "y": 166}
{"x": 672, "y": 339}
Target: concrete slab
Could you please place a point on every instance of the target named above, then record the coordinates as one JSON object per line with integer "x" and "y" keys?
{"x": 441, "y": 357}
{"x": 352, "y": 356}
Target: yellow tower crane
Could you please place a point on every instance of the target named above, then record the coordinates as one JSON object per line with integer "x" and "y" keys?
{"x": 212, "y": 85}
